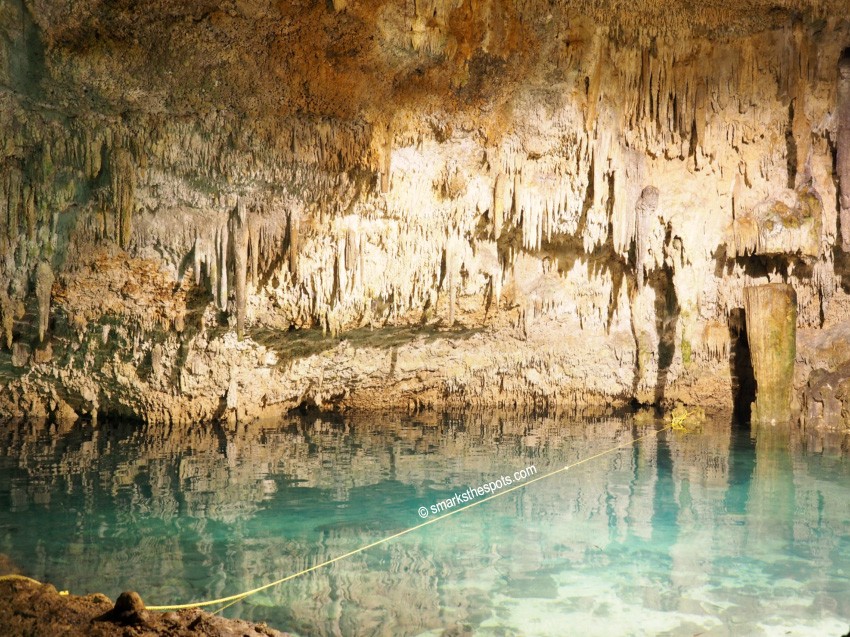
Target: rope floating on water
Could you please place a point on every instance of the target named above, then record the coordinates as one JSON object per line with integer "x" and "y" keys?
{"x": 232, "y": 599}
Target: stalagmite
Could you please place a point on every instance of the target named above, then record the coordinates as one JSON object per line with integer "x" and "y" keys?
{"x": 644, "y": 215}
{"x": 240, "y": 234}
{"x": 43, "y": 287}
{"x": 843, "y": 150}
{"x": 771, "y": 312}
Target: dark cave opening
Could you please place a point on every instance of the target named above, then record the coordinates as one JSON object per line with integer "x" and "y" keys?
{"x": 740, "y": 368}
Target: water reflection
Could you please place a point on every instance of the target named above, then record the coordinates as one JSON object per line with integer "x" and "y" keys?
{"x": 720, "y": 532}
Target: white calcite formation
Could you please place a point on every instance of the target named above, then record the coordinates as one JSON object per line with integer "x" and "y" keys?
{"x": 217, "y": 210}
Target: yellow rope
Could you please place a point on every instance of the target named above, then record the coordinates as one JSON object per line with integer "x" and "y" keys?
{"x": 232, "y": 599}
{"x": 14, "y": 576}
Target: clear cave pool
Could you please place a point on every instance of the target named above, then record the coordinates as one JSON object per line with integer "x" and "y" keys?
{"x": 724, "y": 531}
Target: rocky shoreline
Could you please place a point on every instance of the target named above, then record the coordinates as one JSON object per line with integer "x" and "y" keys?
{"x": 30, "y": 608}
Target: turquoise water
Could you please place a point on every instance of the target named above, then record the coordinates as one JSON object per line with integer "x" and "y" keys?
{"x": 723, "y": 532}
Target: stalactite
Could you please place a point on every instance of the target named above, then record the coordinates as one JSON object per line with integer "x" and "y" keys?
{"x": 123, "y": 181}
{"x": 12, "y": 200}
{"x": 341, "y": 269}
{"x": 499, "y": 205}
{"x": 843, "y": 147}
{"x": 294, "y": 231}
{"x": 254, "y": 242}
{"x": 353, "y": 257}
{"x": 386, "y": 158}
{"x": 43, "y": 288}
{"x": 212, "y": 265}
{"x": 451, "y": 279}
{"x": 240, "y": 240}
{"x": 28, "y": 199}
{"x": 222, "y": 243}
{"x": 197, "y": 259}
{"x": 593, "y": 83}
{"x": 7, "y": 318}
{"x": 627, "y": 174}
{"x": 453, "y": 264}
{"x": 644, "y": 216}
{"x": 597, "y": 219}
{"x": 824, "y": 281}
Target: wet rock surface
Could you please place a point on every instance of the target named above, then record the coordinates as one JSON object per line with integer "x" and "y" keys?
{"x": 29, "y": 608}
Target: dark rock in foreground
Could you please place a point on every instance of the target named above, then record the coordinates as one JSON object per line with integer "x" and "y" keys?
{"x": 29, "y": 608}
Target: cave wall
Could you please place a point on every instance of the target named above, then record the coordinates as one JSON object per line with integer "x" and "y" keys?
{"x": 214, "y": 209}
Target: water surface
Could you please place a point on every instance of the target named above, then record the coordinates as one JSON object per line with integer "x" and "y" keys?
{"x": 722, "y": 532}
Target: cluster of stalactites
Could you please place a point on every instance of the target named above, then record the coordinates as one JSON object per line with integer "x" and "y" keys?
{"x": 236, "y": 252}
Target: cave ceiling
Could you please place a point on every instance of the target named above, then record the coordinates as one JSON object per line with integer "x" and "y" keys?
{"x": 345, "y": 58}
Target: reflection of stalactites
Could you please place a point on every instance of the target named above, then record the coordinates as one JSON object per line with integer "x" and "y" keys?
{"x": 644, "y": 215}
{"x": 294, "y": 230}
{"x": 240, "y": 233}
{"x": 43, "y": 287}
{"x": 843, "y": 147}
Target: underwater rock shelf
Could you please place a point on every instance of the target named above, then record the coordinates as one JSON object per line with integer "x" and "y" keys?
{"x": 220, "y": 210}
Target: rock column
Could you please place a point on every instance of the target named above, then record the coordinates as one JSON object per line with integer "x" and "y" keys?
{"x": 772, "y": 332}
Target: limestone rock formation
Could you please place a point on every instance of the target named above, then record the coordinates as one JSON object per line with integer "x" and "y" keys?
{"x": 212, "y": 209}
{"x": 771, "y": 312}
